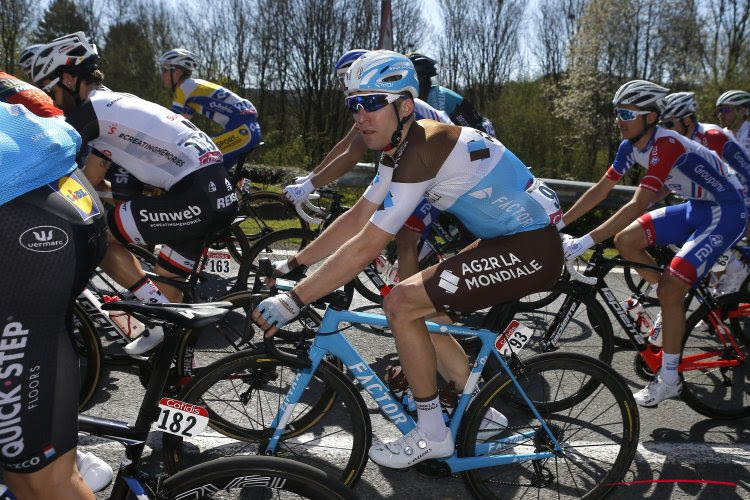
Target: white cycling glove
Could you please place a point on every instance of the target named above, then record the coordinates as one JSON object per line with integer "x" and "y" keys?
{"x": 572, "y": 248}
{"x": 297, "y": 193}
{"x": 301, "y": 180}
{"x": 280, "y": 309}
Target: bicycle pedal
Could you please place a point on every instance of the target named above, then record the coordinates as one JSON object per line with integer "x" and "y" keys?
{"x": 435, "y": 468}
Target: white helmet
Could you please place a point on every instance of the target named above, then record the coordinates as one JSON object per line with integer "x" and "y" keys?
{"x": 27, "y": 56}
{"x": 733, "y": 98}
{"x": 382, "y": 71}
{"x": 70, "y": 53}
{"x": 680, "y": 105}
{"x": 181, "y": 58}
{"x": 641, "y": 93}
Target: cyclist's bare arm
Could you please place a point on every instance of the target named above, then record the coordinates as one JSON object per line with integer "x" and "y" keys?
{"x": 346, "y": 227}
{"x": 591, "y": 198}
{"x": 95, "y": 170}
{"x": 346, "y": 263}
{"x": 642, "y": 199}
{"x": 343, "y": 163}
{"x": 337, "y": 150}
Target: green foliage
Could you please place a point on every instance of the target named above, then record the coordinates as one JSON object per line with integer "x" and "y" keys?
{"x": 60, "y": 18}
{"x": 129, "y": 62}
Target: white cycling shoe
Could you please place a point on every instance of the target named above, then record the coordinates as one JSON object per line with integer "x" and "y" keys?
{"x": 147, "y": 341}
{"x": 656, "y": 392}
{"x": 492, "y": 424}
{"x": 411, "y": 449}
{"x": 95, "y": 472}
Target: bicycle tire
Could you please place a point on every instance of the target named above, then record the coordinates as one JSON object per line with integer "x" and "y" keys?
{"x": 258, "y": 476}
{"x": 259, "y": 207}
{"x": 260, "y": 383}
{"x": 589, "y": 466}
{"x": 719, "y": 393}
{"x": 89, "y": 351}
{"x": 276, "y": 246}
{"x": 589, "y": 330}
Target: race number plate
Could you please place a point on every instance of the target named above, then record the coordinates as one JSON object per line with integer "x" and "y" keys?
{"x": 513, "y": 338}
{"x": 721, "y": 262}
{"x": 180, "y": 419}
{"x": 218, "y": 261}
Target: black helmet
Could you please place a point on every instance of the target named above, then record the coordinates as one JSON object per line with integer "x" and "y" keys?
{"x": 425, "y": 66}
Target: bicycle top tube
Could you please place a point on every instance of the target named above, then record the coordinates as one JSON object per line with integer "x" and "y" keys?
{"x": 605, "y": 264}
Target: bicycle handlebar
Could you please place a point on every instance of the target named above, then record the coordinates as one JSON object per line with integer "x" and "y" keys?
{"x": 305, "y": 216}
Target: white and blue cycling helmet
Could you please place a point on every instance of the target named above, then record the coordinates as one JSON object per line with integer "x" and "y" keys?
{"x": 345, "y": 61}
{"x": 382, "y": 71}
{"x": 679, "y": 105}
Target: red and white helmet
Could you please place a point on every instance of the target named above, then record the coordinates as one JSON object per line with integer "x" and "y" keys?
{"x": 70, "y": 53}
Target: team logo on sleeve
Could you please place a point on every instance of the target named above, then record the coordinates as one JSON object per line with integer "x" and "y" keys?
{"x": 76, "y": 194}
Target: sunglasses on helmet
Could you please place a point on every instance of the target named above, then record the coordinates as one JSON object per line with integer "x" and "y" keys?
{"x": 48, "y": 88}
{"x": 370, "y": 102}
{"x": 627, "y": 115}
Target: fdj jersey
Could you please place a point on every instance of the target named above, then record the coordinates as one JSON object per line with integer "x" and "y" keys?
{"x": 15, "y": 91}
{"x": 720, "y": 142}
{"x": 237, "y": 116}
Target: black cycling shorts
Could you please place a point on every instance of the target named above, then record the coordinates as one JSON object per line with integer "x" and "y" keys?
{"x": 52, "y": 240}
{"x": 125, "y": 186}
{"x": 202, "y": 203}
{"x": 490, "y": 272}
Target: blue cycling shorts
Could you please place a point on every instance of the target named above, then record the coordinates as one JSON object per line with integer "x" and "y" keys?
{"x": 705, "y": 230}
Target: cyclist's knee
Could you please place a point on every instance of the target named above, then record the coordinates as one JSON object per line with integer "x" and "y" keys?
{"x": 397, "y": 304}
{"x": 671, "y": 289}
{"x": 631, "y": 239}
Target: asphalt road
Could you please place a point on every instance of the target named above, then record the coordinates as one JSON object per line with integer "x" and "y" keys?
{"x": 681, "y": 453}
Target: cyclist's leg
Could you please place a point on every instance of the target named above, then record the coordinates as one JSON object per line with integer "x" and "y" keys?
{"x": 202, "y": 202}
{"x": 40, "y": 398}
{"x": 486, "y": 273}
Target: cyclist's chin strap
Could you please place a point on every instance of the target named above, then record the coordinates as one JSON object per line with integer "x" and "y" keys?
{"x": 396, "y": 137}
{"x": 75, "y": 93}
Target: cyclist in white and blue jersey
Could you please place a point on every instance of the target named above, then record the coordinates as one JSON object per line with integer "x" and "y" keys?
{"x": 345, "y": 155}
{"x": 54, "y": 235}
{"x": 712, "y": 219}
{"x": 460, "y": 170}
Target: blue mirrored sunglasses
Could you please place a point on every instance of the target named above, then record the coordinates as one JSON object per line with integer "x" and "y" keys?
{"x": 725, "y": 110}
{"x": 370, "y": 102}
{"x": 627, "y": 115}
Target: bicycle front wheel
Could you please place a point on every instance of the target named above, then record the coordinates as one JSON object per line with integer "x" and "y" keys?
{"x": 719, "y": 392}
{"x": 329, "y": 427}
{"x": 89, "y": 350}
{"x": 254, "y": 477}
{"x": 598, "y": 434}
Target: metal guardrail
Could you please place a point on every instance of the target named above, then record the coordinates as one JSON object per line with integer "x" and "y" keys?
{"x": 567, "y": 191}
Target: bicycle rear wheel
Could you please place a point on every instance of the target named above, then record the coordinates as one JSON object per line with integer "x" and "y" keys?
{"x": 589, "y": 330}
{"x": 598, "y": 434}
{"x": 254, "y": 477}
{"x": 329, "y": 427}
{"x": 721, "y": 393}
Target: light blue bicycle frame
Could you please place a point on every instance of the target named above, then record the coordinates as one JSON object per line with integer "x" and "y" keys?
{"x": 334, "y": 343}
